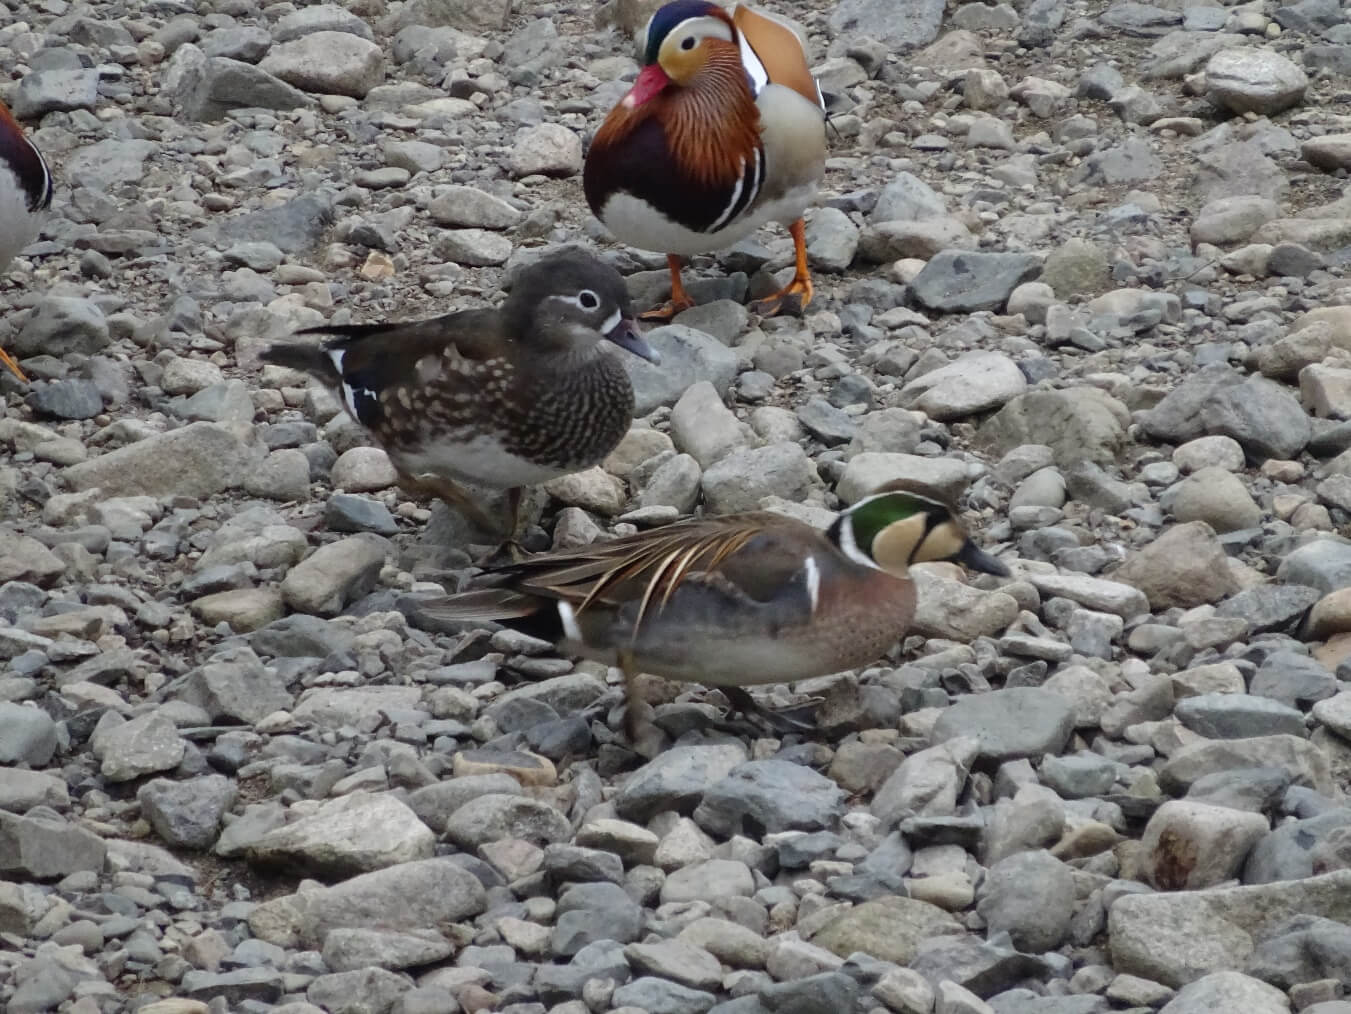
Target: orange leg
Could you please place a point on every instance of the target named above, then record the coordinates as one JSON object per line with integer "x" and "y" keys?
{"x": 680, "y": 300}
{"x": 8, "y": 360}
{"x": 797, "y": 294}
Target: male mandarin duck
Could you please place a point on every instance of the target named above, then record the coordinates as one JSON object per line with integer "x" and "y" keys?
{"x": 503, "y": 398}
{"x": 722, "y": 132}
{"x": 25, "y": 196}
{"x": 732, "y": 601}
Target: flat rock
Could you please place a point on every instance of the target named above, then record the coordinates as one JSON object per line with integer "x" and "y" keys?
{"x": 1179, "y": 938}
{"x": 353, "y": 834}
{"x": 1011, "y": 723}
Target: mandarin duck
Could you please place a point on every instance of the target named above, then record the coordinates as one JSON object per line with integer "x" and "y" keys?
{"x": 505, "y": 398}
{"x": 722, "y": 132}
{"x": 731, "y": 601}
{"x": 25, "y": 196}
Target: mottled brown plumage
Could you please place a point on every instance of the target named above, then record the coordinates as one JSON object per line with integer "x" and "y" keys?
{"x": 501, "y": 398}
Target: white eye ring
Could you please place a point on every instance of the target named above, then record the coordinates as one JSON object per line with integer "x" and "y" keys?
{"x": 588, "y": 300}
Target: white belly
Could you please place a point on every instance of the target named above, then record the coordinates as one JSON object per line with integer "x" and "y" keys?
{"x": 481, "y": 460}
{"x": 18, "y": 225}
{"x": 637, "y": 223}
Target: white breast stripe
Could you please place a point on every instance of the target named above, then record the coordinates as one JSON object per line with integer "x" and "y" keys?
{"x": 755, "y": 70}
{"x": 568, "y": 617}
{"x": 612, "y": 322}
{"x": 731, "y": 208}
{"x": 813, "y": 573}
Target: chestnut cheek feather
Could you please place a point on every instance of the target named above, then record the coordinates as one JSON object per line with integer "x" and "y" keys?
{"x": 651, "y": 80}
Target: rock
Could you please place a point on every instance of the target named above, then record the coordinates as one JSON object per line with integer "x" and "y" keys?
{"x": 348, "y": 949}
{"x": 959, "y": 281}
{"x": 740, "y": 480}
{"x": 548, "y": 149}
{"x": 769, "y": 796}
{"x": 334, "y": 63}
{"x": 1254, "y": 80}
{"x": 471, "y": 208}
{"x": 976, "y": 382}
{"x": 889, "y": 929}
{"x": 409, "y": 896}
{"x": 927, "y": 783}
{"x": 687, "y": 357}
{"x": 1189, "y": 845}
{"x": 869, "y": 470}
{"x": 142, "y": 746}
{"x": 1030, "y": 895}
{"x": 334, "y": 575}
{"x": 1261, "y": 415}
{"x": 200, "y": 460}
{"x": 1015, "y": 722}
{"x": 1216, "y": 496}
{"x": 187, "y": 814}
{"x": 352, "y": 834}
{"x": 491, "y": 817}
{"x": 27, "y": 735}
{"x": 677, "y": 780}
{"x": 1180, "y": 938}
{"x": 916, "y": 24}
{"x": 221, "y": 83}
{"x": 44, "y": 847}
{"x": 1185, "y": 566}
{"x": 1303, "y": 761}
{"x": 1078, "y": 424}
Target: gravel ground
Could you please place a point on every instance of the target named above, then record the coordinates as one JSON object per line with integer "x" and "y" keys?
{"x": 1086, "y": 262}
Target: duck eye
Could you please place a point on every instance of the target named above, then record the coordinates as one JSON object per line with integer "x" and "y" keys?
{"x": 687, "y": 42}
{"x": 588, "y": 300}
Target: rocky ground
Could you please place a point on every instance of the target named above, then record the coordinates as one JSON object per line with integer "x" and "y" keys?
{"x": 1085, "y": 261}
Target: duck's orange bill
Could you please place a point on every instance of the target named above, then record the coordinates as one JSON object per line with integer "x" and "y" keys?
{"x": 8, "y": 360}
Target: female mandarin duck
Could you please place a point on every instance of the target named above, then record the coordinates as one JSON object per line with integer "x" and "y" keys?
{"x": 723, "y": 131}
{"x": 25, "y": 196}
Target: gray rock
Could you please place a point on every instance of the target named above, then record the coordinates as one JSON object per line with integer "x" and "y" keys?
{"x": 1189, "y": 845}
{"x": 221, "y": 83}
{"x": 769, "y": 796}
{"x": 1227, "y": 991}
{"x": 235, "y": 987}
{"x": 27, "y": 735}
{"x": 333, "y": 63}
{"x": 1261, "y": 415}
{"x": 960, "y": 281}
{"x": 334, "y": 575}
{"x": 200, "y": 460}
{"x": 1185, "y": 566}
{"x": 916, "y": 23}
{"x": 1294, "y": 680}
{"x": 740, "y": 480}
{"x": 973, "y": 383}
{"x": 1289, "y": 852}
{"x": 352, "y": 834}
{"x": 1016, "y": 722}
{"x": 320, "y": 18}
{"x": 347, "y": 949}
{"x": 60, "y": 325}
{"x": 43, "y": 846}
{"x": 548, "y": 149}
{"x": 409, "y": 896}
{"x": 677, "y": 780}
{"x": 142, "y": 746}
{"x": 590, "y": 913}
{"x": 365, "y": 990}
{"x": 1305, "y": 949}
{"x": 1031, "y": 896}
{"x": 1254, "y": 80}
{"x": 1131, "y": 161}
{"x": 494, "y": 816}
{"x": 660, "y": 996}
{"x": 1237, "y": 716}
{"x": 687, "y": 357}
{"x": 1323, "y": 563}
{"x": 55, "y": 90}
{"x": 1303, "y": 761}
{"x": 187, "y": 814}
{"x": 1078, "y": 424}
{"x": 1175, "y": 938}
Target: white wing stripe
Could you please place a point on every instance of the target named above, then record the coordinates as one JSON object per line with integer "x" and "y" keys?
{"x": 731, "y": 208}
{"x": 755, "y": 70}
